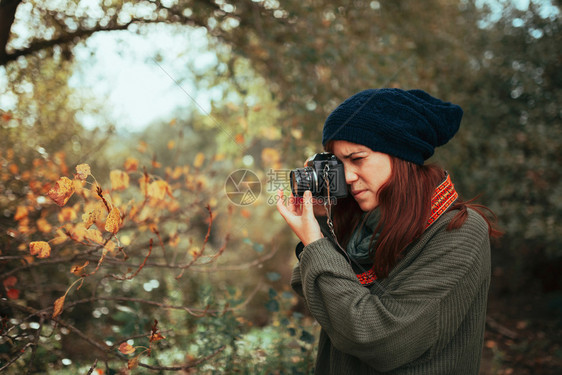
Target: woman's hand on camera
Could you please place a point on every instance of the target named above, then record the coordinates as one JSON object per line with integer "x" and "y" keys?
{"x": 299, "y": 214}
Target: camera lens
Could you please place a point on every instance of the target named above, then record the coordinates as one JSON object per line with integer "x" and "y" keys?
{"x": 303, "y": 179}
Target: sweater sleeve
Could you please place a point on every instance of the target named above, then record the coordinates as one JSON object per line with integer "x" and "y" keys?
{"x": 408, "y": 314}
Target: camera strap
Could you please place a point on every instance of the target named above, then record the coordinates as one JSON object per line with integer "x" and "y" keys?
{"x": 328, "y": 207}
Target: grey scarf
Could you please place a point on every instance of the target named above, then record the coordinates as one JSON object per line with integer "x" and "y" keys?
{"x": 358, "y": 246}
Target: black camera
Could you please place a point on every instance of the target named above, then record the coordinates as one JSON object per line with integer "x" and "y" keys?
{"x": 322, "y": 172}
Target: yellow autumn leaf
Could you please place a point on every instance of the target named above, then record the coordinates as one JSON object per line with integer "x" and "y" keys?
{"x": 62, "y": 191}
{"x": 67, "y": 214}
{"x": 79, "y": 270}
{"x": 44, "y": 225}
{"x": 94, "y": 235}
{"x": 60, "y": 237}
{"x": 199, "y": 159}
{"x": 78, "y": 185}
{"x": 296, "y": 133}
{"x": 88, "y": 219}
{"x": 82, "y": 171}
{"x": 40, "y": 248}
{"x": 109, "y": 247}
{"x": 126, "y": 348}
{"x": 94, "y": 215}
{"x": 57, "y": 308}
{"x": 113, "y": 222}
{"x": 119, "y": 179}
{"x": 171, "y": 144}
{"x": 158, "y": 189}
{"x": 177, "y": 172}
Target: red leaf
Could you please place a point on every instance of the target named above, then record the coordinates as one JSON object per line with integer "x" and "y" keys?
{"x": 13, "y": 294}
{"x": 10, "y": 281}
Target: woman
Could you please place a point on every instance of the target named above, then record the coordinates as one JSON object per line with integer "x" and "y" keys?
{"x": 408, "y": 294}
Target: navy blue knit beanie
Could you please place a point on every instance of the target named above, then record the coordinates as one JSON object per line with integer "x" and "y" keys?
{"x": 406, "y": 124}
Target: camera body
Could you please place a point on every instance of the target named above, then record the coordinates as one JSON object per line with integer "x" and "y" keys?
{"x": 319, "y": 168}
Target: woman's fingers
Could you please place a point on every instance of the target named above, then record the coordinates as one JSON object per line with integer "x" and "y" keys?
{"x": 283, "y": 210}
{"x": 307, "y": 204}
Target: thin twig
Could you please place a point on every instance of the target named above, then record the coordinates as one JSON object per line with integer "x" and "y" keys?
{"x": 184, "y": 367}
{"x": 34, "y": 343}
{"x": 139, "y": 268}
{"x": 91, "y": 370}
{"x": 20, "y": 353}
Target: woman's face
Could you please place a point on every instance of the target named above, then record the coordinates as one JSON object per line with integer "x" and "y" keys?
{"x": 365, "y": 171}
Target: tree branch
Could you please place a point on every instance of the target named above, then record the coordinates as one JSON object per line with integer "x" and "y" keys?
{"x": 7, "y": 16}
{"x": 70, "y": 38}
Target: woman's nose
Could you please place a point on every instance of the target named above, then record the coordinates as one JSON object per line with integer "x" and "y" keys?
{"x": 350, "y": 176}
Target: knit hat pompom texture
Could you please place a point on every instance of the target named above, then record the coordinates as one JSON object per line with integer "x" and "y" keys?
{"x": 406, "y": 124}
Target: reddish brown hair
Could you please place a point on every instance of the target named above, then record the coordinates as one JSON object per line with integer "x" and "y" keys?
{"x": 405, "y": 206}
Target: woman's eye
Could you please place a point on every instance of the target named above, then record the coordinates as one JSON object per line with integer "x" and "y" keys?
{"x": 357, "y": 158}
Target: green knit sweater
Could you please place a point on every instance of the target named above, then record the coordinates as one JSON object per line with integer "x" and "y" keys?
{"x": 427, "y": 317}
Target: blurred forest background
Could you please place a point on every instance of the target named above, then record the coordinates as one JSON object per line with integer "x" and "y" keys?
{"x": 138, "y": 262}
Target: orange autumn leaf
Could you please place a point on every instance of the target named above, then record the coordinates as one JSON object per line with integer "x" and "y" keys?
{"x": 21, "y": 213}
{"x": 13, "y": 168}
{"x": 82, "y": 171}
{"x": 239, "y": 138}
{"x": 40, "y": 248}
{"x": 113, "y": 222}
{"x": 126, "y": 348}
{"x": 133, "y": 363}
{"x": 57, "y": 307}
{"x": 62, "y": 191}
{"x": 131, "y": 164}
{"x": 156, "y": 336}
{"x": 171, "y": 144}
{"x": 79, "y": 270}
{"x": 119, "y": 179}
{"x": 6, "y": 116}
